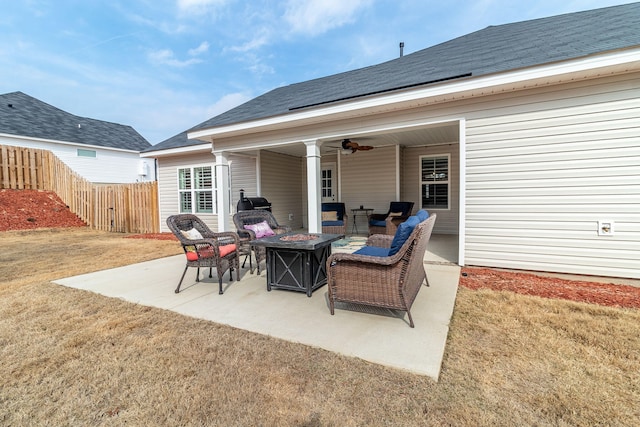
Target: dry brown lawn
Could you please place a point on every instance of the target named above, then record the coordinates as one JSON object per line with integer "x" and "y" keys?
{"x": 71, "y": 357}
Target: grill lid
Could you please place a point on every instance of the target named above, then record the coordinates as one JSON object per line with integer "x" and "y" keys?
{"x": 250, "y": 203}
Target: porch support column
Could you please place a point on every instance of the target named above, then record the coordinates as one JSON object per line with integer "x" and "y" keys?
{"x": 313, "y": 185}
{"x": 223, "y": 190}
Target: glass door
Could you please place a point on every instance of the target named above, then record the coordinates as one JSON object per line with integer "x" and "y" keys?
{"x": 328, "y": 185}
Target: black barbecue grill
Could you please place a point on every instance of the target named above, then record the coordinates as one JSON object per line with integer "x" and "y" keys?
{"x": 251, "y": 203}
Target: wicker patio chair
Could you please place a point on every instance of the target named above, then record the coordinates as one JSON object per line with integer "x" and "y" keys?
{"x": 334, "y": 218}
{"x": 388, "y": 223}
{"x": 253, "y": 217}
{"x": 384, "y": 281}
{"x": 204, "y": 248}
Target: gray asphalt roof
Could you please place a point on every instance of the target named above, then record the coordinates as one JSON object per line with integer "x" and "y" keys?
{"x": 23, "y": 115}
{"x": 494, "y": 49}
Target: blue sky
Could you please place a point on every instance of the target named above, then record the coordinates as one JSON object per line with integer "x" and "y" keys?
{"x": 163, "y": 66}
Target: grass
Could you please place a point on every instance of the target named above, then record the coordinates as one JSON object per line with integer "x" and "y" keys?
{"x": 70, "y": 357}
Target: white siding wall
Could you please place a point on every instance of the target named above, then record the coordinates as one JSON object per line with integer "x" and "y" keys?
{"x": 283, "y": 184}
{"x": 543, "y": 168}
{"x": 109, "y": 166}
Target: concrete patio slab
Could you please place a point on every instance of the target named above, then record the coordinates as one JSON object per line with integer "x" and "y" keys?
{"x": 378, "y": 336}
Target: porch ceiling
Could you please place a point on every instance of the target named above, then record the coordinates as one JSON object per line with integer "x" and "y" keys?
{"x": 432, "y": 135}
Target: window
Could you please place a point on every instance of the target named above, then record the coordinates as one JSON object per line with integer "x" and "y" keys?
{"x": 327, "y": 183}
{"x": 196, "y": 190}
{"x": 434, "y": 182}
{"x": 86, "y": 153}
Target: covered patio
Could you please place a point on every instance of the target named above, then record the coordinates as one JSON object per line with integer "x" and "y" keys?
{"x": 299, "y": 170}
{"x": 378, "y": 336}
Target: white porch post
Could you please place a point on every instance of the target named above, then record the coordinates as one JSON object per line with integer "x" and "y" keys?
{"x": 313, "y": 185}
{"x": 222, "y": 184}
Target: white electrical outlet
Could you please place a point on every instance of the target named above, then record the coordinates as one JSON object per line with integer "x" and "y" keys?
{"x": 605, "y": 228}
{"x": 290, "y": 217}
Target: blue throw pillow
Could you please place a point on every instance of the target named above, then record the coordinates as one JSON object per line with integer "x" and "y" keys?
{"x": 422, "y": 215}
{"x": 402, "y": 234}
{"x": 378, "y": 223}
{"x": 372, "y": 251}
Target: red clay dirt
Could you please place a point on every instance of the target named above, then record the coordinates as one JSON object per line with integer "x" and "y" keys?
{"x": 29, "y": 209}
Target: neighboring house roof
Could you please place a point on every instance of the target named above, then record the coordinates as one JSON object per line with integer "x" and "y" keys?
{"x": 25, "y": 116}
{"x": 494, "y": 49}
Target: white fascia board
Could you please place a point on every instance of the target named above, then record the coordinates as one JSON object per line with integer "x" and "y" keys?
{"x": 587, "y": 66}
{"x": 205, "y": 147}
{"x": 73, "y": 144}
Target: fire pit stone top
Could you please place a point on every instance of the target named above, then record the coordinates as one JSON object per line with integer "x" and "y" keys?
{"x": 299, "y": 237}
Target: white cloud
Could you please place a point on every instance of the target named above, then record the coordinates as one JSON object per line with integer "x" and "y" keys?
{"x": 198, "y": 6}
{"x": 166, "y": 57}
{"x": 168, "y": 27}
{"x": 204, "y": 47}
{"x": 253, "y": 44}
{"x": 313, "y": 17}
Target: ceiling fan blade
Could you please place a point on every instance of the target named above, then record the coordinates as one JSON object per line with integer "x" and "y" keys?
{"x": 347, "y": 146}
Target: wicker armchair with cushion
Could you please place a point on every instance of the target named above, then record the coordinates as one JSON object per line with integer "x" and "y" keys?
{"x": 255, "y": 224}
{"x": 387, "y": 273}
{"x": 334, "y": 218}
{"x": 388, "y": 223}
{"x": 204, "y": 248}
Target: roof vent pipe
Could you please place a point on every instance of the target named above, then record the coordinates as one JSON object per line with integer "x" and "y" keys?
{"x": 401, "y": 49}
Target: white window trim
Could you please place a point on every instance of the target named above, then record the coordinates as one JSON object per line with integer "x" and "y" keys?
{"x": 193, "y": 190}
{"x": 448, "y": 181}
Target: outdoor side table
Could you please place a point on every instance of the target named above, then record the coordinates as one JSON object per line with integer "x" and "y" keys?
{"x": 359, "y": 212}
{"x": 297, "y": 265}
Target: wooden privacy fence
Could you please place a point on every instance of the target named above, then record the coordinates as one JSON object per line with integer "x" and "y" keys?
{"x": 24, "y": 168}
{"x": 125, "y": 208}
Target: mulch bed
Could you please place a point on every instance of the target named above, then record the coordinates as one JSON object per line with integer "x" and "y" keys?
{"x": 29, "y": 209}
{"x": 609, "y": 294}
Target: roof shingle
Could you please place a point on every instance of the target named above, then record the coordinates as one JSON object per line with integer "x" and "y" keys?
{"x": 23, "y": 115}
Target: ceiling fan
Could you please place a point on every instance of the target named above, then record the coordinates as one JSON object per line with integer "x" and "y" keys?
{"x": 349, "y": 147}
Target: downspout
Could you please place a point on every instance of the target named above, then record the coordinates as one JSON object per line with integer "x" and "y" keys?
{"x": 462, "y": 136}
{"x": 397, "y": 172}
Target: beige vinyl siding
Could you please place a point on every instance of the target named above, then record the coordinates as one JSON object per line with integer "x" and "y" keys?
{"x": 369, "y": 179}
{"x": 282, "y": 181}
{"x": 168, "y": 186}
{"x": 243, "y": 175}
{"x": 542, "y": 172}
{"x": 448, "y": 219}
